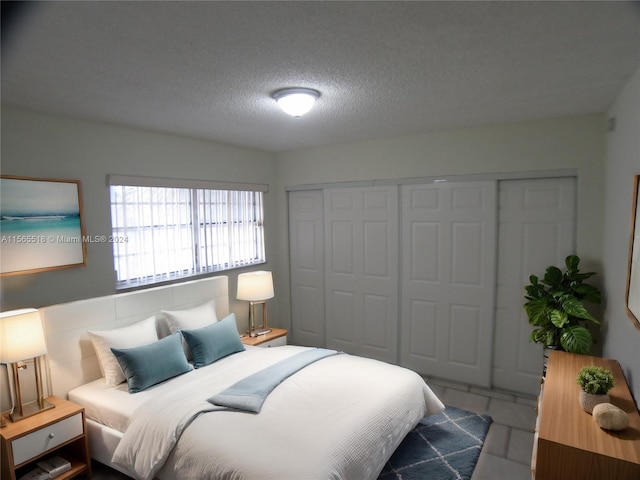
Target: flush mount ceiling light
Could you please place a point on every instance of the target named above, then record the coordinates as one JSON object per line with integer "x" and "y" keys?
{"x": 296, "y": 101}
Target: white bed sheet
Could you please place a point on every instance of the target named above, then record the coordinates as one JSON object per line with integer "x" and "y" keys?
{"x": 339, "y": 418}
{"x": 110, "y": 406}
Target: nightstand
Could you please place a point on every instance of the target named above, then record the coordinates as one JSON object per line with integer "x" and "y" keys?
{"x": 275, "y": 338}
{"x": 60, "y": 431}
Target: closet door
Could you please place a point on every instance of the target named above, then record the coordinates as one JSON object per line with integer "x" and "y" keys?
{"x": 537, "y": 224}
{"x": 448, "y": 279}
{"x": 361, "y": 269}
{"x": 306, "y": 262}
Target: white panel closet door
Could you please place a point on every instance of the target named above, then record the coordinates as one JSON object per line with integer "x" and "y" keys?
{"x": 537, "y": 224}
{"x": 361, "y": 271}
{"x": 448, "y": 279}
{"x": 306, "y": 262}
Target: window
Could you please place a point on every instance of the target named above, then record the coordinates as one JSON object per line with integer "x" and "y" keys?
{"x": 168, "y": 229}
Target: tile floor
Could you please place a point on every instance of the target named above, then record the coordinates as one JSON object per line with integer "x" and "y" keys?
{"x": 506, "y": 453}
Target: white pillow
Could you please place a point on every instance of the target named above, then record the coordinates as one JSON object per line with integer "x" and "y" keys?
{"x": 136, "y": 335}
{"x": 191, "y": 318}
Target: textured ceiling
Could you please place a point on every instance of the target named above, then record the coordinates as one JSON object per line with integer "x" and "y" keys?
{"x": 206, "y": 69}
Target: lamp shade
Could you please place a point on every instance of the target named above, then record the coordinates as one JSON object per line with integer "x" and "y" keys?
{"x": 296, "y": 101}
{"x": 22, "y": 336}
{"x": 255, "y": 286}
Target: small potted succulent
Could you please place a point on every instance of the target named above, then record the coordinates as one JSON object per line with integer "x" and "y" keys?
{"x": 595, "y": 383}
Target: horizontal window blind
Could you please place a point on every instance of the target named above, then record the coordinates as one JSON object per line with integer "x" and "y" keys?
{"x": 136, "y": 181}
{"x": 164, "y": 233}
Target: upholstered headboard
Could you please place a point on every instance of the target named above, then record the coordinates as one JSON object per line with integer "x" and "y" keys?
{"x": 72, "y": 360}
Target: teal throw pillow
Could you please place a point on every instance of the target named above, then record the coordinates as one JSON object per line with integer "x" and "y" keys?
{"x": 213, "y": 342}
{"x": 151, "y": 364}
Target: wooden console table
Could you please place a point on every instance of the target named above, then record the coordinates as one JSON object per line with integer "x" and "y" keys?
{"x": 568, "y": 442}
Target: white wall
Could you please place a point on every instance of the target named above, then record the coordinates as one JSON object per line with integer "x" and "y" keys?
{"x": 46, "y": 146}
{"x": 622, "y": 339}
{"x": 572, "y": 142}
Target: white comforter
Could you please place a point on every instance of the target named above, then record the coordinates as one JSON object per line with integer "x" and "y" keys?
{"x": 338, "y": 418}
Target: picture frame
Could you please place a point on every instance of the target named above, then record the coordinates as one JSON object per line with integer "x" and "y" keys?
{"x": 41, "y": 225}
{"x": 632, "y": 297}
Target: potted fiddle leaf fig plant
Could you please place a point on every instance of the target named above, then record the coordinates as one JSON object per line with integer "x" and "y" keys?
{"x": 595, "y": 383}
{"x": 556, "y": 308}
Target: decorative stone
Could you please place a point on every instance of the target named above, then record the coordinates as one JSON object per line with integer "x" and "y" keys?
{"x": 610, "y": 417}
{"x": 590, "y": 400}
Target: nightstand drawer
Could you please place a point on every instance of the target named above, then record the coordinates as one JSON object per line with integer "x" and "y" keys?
{"x": 276, "y": 342}
{"x": 46, "y": 438}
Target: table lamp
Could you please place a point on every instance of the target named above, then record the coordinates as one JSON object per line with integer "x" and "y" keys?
{"x": 22, "y": 340}
{"x": 256, "y": 287}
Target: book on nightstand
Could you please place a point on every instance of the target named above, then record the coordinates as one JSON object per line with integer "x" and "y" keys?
{"x": 36, "y": 474}
{"x": 54, "y": 466}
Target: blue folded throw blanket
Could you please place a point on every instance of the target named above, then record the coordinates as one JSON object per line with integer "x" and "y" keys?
{"x": 250, "y": 393}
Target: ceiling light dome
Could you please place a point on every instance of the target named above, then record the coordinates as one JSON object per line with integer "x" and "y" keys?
{"x": 296, "y": 101}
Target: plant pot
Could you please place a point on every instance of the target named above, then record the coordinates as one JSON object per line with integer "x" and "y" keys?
{"x": 590, "y": 400}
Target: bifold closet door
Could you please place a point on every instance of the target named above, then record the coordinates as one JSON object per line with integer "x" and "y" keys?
{"x": 449, "y": 233}
{"x": 306, "y": 262}
{"x": 537, "y": 225}
{"x": 361, "y": 271}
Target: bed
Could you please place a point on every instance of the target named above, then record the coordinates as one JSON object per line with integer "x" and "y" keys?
{"x": 337, "y": 417}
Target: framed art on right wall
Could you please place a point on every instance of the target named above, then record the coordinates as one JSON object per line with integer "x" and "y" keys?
{"x": 633, "y": 273}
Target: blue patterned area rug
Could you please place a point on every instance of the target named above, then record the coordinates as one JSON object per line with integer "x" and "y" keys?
{"x": 441, "y": 447}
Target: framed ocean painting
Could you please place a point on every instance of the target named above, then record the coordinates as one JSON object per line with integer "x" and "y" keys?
{"x": 633, "y": 272}
{"x": 41, "y": 225}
